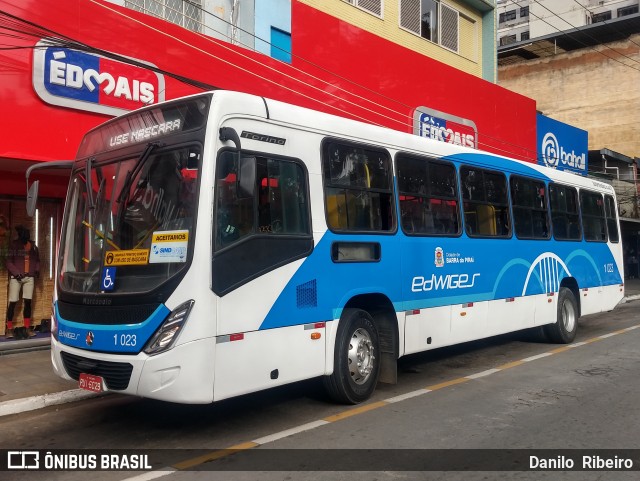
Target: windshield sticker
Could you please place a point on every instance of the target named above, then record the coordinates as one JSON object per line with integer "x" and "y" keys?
{"x": 108, "y": 278}
{"x": 169, "y": 246}
{"x": 132, "y": 257}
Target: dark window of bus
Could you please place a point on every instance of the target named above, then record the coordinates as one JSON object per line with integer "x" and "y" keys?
{"x": 428, "y": 197}
{"x": 485, "y": 202}
{"x": 565, "y": 217}
{"x": 276, "y": 205}
{"x": 530, "y": 215}
{"x": 612, "y": 222}
{"x": 593, "y": 220}
{"x": 358, "y": 188}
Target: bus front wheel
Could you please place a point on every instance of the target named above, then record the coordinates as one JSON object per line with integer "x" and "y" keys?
{"x": 356, "y": 358}
{"x": 564, "y": 330}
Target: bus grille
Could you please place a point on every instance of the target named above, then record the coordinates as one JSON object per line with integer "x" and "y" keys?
{"x": 116, "y": 374}
{"x": 110, "y": 315}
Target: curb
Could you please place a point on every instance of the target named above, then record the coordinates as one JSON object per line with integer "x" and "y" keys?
{"x": 33, "y": 403}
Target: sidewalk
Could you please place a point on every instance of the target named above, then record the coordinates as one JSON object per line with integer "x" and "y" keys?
{"x": 27, "y": 381}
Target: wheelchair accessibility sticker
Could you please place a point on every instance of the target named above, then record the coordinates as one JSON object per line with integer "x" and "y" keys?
{"x": 108, "y": 278}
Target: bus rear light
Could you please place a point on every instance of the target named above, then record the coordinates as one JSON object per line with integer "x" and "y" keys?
{"x": 510, "y": 299}
{"x": 168, "y": 332}
{"x": 236, "y": 337}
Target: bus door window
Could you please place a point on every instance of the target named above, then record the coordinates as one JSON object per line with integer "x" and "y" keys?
{"x": 530, "y": 216}
{"x": 485, "y": 202}
{"x": 279, "y": 206}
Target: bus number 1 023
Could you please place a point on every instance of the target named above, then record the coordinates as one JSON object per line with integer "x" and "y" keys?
{"x": 124, "y": 340}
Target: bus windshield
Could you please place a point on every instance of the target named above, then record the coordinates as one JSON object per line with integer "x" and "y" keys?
{"x": 130, "y": 222}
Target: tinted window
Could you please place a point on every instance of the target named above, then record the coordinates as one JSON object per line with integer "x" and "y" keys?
{"x": 358, "y": 188}
{"x": 612, "y": 221}
{"x": 565, "y": 216}
{"x": 530, "y": 216}
{"x": 485, "y": 202}
{"x": 275, "y": 203}
{"x": 428, "y": 196}
{"x": 593, "y": 220}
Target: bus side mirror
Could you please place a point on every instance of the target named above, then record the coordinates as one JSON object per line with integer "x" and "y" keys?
{"x": 32, "y": 192}
{"x": 32, "y": 198}
{"x": 246, "y": 186}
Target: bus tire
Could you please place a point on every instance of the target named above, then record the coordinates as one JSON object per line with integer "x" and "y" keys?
{"x": 566, "y": 325}
{"x": 356, "y": 359}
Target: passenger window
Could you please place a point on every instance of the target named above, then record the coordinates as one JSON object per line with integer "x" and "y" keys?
{"x": 612, "y": 221}
{"x": 485, "y": 202}
{"x": 565, "y": 217}
{"x": 428, "y": 197}
{"x": 530, "y": 216}
{"x": 358, "y": 188}
{"x": 593, "y": 220}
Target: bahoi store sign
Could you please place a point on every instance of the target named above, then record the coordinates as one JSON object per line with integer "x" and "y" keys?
{"x": 87, "y": 81}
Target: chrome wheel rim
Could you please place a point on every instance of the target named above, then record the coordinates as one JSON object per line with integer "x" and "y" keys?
{"x": 361, "y": 356}
{"x": 568, "y": 316}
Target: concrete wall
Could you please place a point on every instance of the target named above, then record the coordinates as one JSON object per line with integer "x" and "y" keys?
{"x": 589, "y": 90}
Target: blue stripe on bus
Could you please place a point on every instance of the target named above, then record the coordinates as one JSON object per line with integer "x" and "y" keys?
{"x": 486, "y": 269}
{"x": 121, "y": 338}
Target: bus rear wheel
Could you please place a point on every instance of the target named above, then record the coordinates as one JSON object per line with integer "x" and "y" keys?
{"x": 564, "y": 330}
{"x": 356, "y": 359}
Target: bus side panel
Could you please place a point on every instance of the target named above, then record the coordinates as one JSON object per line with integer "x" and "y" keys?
{"x": 469, "y": 321}
{"x": 546, "y": 309}
{"x": 511, "y": 314}
{"x": 268, "y": 358}
{"x": 600, "y": 299}
{"x": 427, "y": 329}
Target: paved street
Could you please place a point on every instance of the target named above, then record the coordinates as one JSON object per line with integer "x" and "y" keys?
{"x": 510, "y": 392}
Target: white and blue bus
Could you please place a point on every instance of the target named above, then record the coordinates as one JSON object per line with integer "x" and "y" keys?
{"x": 225, "y": 243}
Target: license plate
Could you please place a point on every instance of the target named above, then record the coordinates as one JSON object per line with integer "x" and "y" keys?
{"x": 89, "y": 382}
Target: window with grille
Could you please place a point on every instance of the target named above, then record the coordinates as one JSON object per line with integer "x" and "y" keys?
{"x": 624, "y": 11}
{"x": 186, "y": 13}
{"x": 433, "y": 20}
{"x": 601, "y": 17}
{"x": 371, "y": 6}
{"x": 507, "y": 39}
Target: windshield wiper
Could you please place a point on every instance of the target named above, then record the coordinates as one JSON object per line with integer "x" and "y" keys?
{"x": 136, "y": 168}
{"x": 89, "y": 182}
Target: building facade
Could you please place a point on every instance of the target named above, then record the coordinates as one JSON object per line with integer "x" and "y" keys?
{"x": 589, "y": 77}
{"x": 521, "y": 20}
{"x": 75, "y": 64}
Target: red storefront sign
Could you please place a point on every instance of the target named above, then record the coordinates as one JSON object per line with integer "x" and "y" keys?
{"x": 350, "y": 72}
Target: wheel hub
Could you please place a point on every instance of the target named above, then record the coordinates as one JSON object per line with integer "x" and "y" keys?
{"x": 361, "y": 356}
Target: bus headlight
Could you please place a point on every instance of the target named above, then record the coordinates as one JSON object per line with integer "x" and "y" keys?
{"x": 169, "y": 330}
